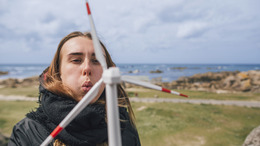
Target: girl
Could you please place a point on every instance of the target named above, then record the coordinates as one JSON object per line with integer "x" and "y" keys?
{"x": 72, "y": 73}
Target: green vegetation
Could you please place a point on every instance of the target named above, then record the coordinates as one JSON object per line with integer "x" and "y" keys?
{"x": 142, "y": 92}
{"x": 165, "y": 123}
{"x": 188, "y": 124}
{"x": 169, "y": 123}
{"x": 13, "y": 111}
{"x": 22, "y": 91}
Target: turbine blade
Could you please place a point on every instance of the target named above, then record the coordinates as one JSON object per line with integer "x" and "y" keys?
{"x": 98, "y": 49}
{"x": 151, "y": 86}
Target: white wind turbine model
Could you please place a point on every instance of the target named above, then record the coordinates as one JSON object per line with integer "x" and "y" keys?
{"x": 111, "y": 77}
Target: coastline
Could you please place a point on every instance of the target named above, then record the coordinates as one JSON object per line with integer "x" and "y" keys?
{"x": 218, "y": 82}
{"x": 167, "y": 72}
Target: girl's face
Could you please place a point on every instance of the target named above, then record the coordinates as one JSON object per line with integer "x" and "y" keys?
{"x": 79, "y": 67}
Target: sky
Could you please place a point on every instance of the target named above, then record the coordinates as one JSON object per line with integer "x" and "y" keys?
{"x": 135, "y": 31}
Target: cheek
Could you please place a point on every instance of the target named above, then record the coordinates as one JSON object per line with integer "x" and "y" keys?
{"x": 97, "y": 73}
{"x": 69, "y": 75}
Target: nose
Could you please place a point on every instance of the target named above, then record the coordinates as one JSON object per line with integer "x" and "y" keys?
{"x": 86, "y": 69}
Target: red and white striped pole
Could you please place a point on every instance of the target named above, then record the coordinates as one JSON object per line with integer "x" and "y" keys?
{"x": 151, "y": 86}
{"x": 98, "y": 49}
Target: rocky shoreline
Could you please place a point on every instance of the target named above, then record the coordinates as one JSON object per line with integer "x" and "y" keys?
{"x": 16, "y": 83}
{"x": 236, "y": 81}
{"x": 219, "y": 82}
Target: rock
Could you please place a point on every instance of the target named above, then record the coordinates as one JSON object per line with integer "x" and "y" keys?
{"x": 205, "y": 85}
{"x": 242, "y": 76}
{"x": 253, "y": 139}
{"x": 255, "y": 89}
{"x": 206, "y": 77}
{"x": 15, "y": 83}
{"x": 156, "y": 80}
{"x": 136, "y": 71}
{"x": 156, "y": 71}
{"x": 245, "y": 85}
{"x": 10, "y": 83}
{"x": 254, "y": 76}
{"x": 171, "y": 85}
{"x": 3, "y": 72}
{"x": 30, "y": 81}
{"x": 182, "y": 80}
{"x": 228, "y": 82}
{"x": 3, "y": 140}
{"x": 179, "y": 68}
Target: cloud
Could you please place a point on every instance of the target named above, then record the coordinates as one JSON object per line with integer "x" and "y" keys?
{"x": 160, "y": 31}
{"x": 191, "y": 29}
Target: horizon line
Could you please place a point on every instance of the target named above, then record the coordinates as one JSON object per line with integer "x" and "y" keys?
{"x": 138, "y": 63}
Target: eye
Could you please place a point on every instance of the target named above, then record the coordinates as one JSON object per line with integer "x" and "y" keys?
{"x": 76, "y": 60}
{"x": 95, "y": 61}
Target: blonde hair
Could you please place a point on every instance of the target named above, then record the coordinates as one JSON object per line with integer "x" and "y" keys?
{"x": 53, "y": 83}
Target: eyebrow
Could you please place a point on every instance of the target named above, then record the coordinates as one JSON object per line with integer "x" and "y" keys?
{"x": 79, "y": 53}
{"x": 75, "y": 53}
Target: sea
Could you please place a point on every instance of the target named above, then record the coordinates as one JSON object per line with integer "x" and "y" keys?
{"x": 167, "y": 72}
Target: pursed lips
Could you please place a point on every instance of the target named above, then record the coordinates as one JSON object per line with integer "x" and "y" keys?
{"x": 87, "y": 86}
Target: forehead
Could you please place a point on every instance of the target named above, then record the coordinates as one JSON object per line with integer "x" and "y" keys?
{"x": 78, "y": 44}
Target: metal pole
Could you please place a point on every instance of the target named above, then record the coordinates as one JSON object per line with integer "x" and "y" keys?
{"x": 111, "y": 78}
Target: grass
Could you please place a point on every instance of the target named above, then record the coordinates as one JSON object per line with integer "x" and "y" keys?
{"x": 169, "y": 123}
{"x": 23, "y": 91}
{"x": 143, "y": 93}
{"x": 165, "y": 123}
{"x": 13, "y": 111}
{"x": 188, "y": 124}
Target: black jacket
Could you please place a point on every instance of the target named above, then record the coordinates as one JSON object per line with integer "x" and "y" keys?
{"x": 30, "y": 133}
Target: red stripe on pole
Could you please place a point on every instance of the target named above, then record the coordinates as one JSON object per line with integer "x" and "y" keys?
{"x": 183, "y": 95}
{"x": 166, "y": 90}
{"x": 56, "y": 131}
{"x": 88, "y": 9}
